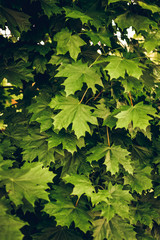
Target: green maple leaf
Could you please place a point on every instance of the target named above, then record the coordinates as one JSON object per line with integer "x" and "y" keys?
{"x": 102, "y": 111}
{"x": 66, "y": 42}
{"x": 64, "y": 207}
{"x": 15, "y": 19}
{"x": 114, "y": 229}
{"x": 140, "y": 180}
{"x": 118, "y": 66}
{"x": 39, "y": 64}
{"x": 152, "y": 8}
{"x": 144, "y": 212}
{"x": 137, "y": 115}
{"x": 16, "y": 72}
{"x": 136, "y": 21}
{"x": 29, "y": 182}
{"x": 49, "y": 7}
{"x": 70, "y": 13}
{"x": 103, "y": 37}
{"x": 72, "y": 112}
{"x": 132, "y": 84}
{"x": 114, "y": 156}
{"x": 113, "y": 201}
{"x": 57, "y": 233}
{"x": 73, "y": 164}
{"x": 10, "y": 225}
{"x": 77, "y": 74}
{"x": 113, "y": 1}
{"x": 69, "y": 141}
{"x": 41, "y": 112}
{"x": 82, "y": 184}
{"x": 152, "y": 41}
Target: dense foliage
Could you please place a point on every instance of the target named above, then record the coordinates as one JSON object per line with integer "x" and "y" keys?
{"x": 79, "y": 120}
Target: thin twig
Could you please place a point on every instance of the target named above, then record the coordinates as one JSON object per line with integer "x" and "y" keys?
{"x": 83, "y": 96}
{"x": 108, "y": 137}
{"x": 130, "y": 98}
{"x": 77, "y": 202}
{"x": 98, "y": 95}
{"x": 95, "y": 61}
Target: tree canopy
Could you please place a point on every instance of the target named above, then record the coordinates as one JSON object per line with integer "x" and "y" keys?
{"x": 79, "y": 120}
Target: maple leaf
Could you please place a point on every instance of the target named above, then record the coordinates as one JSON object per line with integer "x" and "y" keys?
{"x": 101, "y": 110}
{"x": 152, "y": 41}
{"x": 15, "y": 19}
{"x": 41, "y": 112}
{"x": 152, "y": 8}
{"x": 69, "y": 141}
{"x": 103, "y": 37}
{"x": 77, "y": 15}
{"x": 144, "y": 212}
{"x": 72, "y": 112}
{"x": 114, "y": 156}
{"x": 29, "y": 182}
{"x": 140, "y": 180}
{"x": 82, "y": 184}
{"x": 136, "y": 21}
{"x": 116, "y": 228}
{"x": 68, "y": 42}
{"x": 49, "y": 7}
{"x": 118, "y": 66}
{"x": 10, "y": 225}
{"x": 77, "y": 74}
{"x": 39, "y": 64}
{"x": 64, "y": 207}
{"x": 35, "y": 145}
{"x": 137, "y": 115}
{"x": 112, "y": 201}
{"x": 73, "y": 164}
{"x": 57, "y": 233}
{"x": 113, "y": 1}
{"x": 16, "y": 72}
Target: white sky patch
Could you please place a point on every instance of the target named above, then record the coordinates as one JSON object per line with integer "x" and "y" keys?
{"x": 6, "y": 33}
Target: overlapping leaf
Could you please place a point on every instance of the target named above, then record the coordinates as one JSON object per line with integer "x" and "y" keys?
{"x": 72, "y": 112}
{"x": 137, "y": 115}
{"x": 41, "y": 112}
{"x": 114, "y": 229}
{"x": 114, "y": 156}
{"x": 112, "y": 201}
{"x": 140, "y": 180}
{"x": 69, "y": 141}
{"x": 10, "y": 225}
{"x": 64, "y": 207}
{"x": 118, "y": 66}
{"x": 16, "y": 72}
{"x": 66, "y": 42}
{"x": 77, "y": 74}
{"x": 136, "y": 21}
{"x": 29, "y": 182}
{"x": 77, "y": 15}
{"x": 15, "y": 19}
{"x": 82, "y": 184}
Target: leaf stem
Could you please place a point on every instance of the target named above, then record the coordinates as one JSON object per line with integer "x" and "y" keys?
{"x": 94, "y": 61}
{"x": 98, "y": 95}
{"x": 108, "y": 137}
{"x": 83, "y": 96}
{"x": 77, "y": 202}
{"x": 130, "y": 98}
